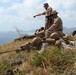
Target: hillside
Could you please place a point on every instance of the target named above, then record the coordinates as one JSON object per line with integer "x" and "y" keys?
{"x": 52, "y": 61}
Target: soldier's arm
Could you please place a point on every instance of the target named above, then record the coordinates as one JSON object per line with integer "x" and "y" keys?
{"x": 54, "y": 25}
{"x": 39, "y": 14}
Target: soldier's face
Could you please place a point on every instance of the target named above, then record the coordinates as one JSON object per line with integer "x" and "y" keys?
{"x": 45, "y": 7}
{"x": 54, "y": 15}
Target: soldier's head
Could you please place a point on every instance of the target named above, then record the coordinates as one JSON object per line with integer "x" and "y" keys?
{"x": 46, "y": 5}
{"x": 54, "y": 13}
{"x": 37, "y": 42}
{"x": 42, "y": 28}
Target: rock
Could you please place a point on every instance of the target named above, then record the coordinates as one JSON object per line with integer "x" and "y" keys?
{"x": 44, "y": 46}
{"x": 68, "y": 44}
{"x": 66, "y": 36}
{"x": 66, "y": 41}
{"x": 72, "y": 43}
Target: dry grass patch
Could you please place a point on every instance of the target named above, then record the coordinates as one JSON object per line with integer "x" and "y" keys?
{"x": 52, "y": 61}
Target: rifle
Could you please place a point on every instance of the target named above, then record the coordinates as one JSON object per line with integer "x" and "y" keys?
{"x": 17, "y": 50}
{"x": 27, "y": 47}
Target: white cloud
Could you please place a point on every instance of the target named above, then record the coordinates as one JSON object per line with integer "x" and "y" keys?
{"x": 2, "y": 10}
{"x": 69, "y": 4}
{"x": 66, "y": 4}
{"x": 25, "y": 11}
{"x": 4, "y": 1}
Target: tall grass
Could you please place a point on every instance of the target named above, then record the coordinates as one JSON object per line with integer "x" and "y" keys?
{"x": 52, "y": 61}
{"x": 59, "y": 61}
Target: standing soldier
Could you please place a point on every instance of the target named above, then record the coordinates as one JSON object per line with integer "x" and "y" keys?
{"x": 47, "y": 14}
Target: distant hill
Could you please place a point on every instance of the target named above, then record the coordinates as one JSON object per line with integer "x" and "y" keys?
{"x": 23, "y": 32}
{"x": 68, "y": 30}
{"x": 31, "y": 32}
{"x": 65, "y": 30}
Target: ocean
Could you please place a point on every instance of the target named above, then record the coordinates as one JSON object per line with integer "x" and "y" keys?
{"x": 6, "y": 37}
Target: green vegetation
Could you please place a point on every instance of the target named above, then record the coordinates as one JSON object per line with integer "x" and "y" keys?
{"x": 59, "y": 61}
{"x": 52, "y": 61}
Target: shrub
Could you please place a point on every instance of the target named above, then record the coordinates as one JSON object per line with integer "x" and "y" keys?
{"x": 55, "y": 58}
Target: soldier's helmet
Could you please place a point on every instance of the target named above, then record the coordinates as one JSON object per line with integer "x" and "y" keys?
{"x": 46, "y": 4}
{"x": 54, "y": 12}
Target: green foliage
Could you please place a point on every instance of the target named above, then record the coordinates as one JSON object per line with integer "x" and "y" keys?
{"x": 55, "y": 58}
{"x": 49, "y": 55}
{"x": 2, "y": 68}
{"x": 52, "y": 61}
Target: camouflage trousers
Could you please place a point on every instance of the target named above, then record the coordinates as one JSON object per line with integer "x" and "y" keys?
{"x": 48, "y": 23}
{"x": 49, "y": 33}
{"x": 40, "y": 34}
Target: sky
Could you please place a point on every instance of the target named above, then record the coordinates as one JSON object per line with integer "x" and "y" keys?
{"x": 19, "y": 13}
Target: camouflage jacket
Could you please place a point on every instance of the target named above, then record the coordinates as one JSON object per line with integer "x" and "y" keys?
{"x": 57, "y": 25}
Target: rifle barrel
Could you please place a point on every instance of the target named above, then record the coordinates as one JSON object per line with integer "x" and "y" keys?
{"x": 7, "y": 51}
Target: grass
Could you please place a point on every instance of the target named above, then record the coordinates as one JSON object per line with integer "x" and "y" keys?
{"x": 52, "y": 61}
{"x": 58, "y": 61}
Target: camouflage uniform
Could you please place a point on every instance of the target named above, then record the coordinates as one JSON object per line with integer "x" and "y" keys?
{"x": 37, "y": 42}
{"x": 47, "y": 13}
{"x": 56, "y": 27}
{"x": 40, "y": 34}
